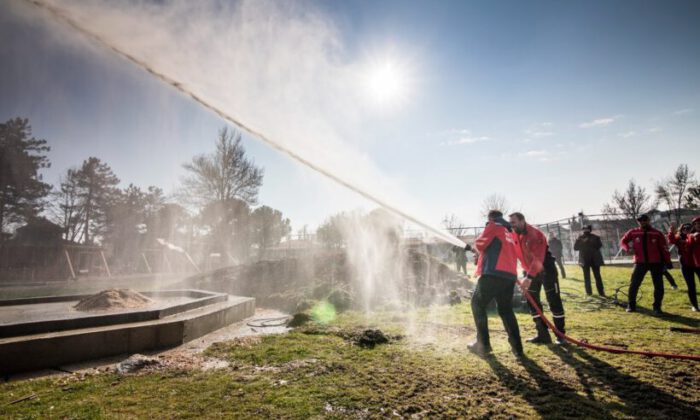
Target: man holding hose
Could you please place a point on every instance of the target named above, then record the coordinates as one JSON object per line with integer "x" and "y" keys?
{"x": 497, "y": 272}
{"x": 540, "y": 272}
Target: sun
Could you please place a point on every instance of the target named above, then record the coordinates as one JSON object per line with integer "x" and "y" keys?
{"x": 386, "y": 83}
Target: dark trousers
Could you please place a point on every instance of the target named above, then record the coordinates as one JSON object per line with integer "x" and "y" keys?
{"x": 462, "y": 266}
{"x": 560, "y": 264}
{"x": 487, "y": 289}
{"x": 670, "y": 279}
{"x": 587, "y": 279}
{"x": 638, "y": 273}
{"x": 689, "y": 274}
{"x": 549, "y": 280}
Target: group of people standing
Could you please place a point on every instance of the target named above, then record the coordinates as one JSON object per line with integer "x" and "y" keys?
{"x": 503, "y": 243}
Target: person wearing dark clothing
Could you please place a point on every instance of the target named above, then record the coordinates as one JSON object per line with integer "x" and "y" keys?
{"x": 540, "y": 272}
{"x": 557, "y": 250}
{"x": 588, "y": 246}
{"x": 650, "y": 255}
{"x": 688, "y": 269}
{"x": 670, "y": 279}
{"x": 461, "y": 258}
{"x": 497, "y": 272}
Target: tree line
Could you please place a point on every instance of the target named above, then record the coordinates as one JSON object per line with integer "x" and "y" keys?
{"x": 216, "y": 203}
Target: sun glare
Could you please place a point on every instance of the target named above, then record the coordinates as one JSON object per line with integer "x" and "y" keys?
{"x": 386, "y": 83}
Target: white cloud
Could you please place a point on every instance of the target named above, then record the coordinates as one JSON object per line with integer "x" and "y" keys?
{"x": 600, "y": 122}
{"x": 536, "y": 153}
{"x": 655, "y": 130}
{"x": 539, "y": 130}
{"x": 628, "y": 134}
{"x": 466, "y": 140}
{"x": 457, "y": 136}
{"x": 684, "y": 111}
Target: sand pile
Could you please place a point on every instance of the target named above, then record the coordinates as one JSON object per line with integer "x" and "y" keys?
{"x": 113, "y": 299}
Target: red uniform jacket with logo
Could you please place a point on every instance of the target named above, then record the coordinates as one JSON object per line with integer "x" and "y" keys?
{"x": 649, "y": 246}
{"x": 531, "y": 247}
{"x": 496, "y": 249}
{"x": 693, "y": 243}
{"x": 684, "y": 248}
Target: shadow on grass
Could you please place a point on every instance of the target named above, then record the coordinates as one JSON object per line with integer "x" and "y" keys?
{"x": 680, "y": 319}
{"x": 638, "y": 398}
{"x": 550, "y": 398}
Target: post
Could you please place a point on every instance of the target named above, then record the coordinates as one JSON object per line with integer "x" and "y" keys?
{"x": 104, "y": 261}
{"x": 192, "y": 262}
{"x": 70, "y": 264}
{"x": 166, "y": 260}
{"x": 145, "y": 260}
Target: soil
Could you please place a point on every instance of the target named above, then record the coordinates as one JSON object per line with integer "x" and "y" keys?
{"x": 112, "y": 299}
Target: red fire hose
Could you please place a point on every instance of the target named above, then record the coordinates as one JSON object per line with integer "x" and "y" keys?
{"x": 584, "y": 344}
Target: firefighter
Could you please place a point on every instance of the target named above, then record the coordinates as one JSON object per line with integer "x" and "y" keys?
{"x": 693, "y": 242}
{"x": 540, "y": 271}
{"x": 557, "y": 250}
{"x": 461, "y": 258}
{"x": 650, "y": 255}
{"x": 497, "y": 272}
{"x": 588, "y": 246}
{"x": 679, "y": 238}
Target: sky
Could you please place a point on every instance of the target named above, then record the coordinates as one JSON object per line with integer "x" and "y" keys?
{"x": 433, "y": 105}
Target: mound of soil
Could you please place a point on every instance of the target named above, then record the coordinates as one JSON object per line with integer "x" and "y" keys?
{"x": 299, "y": 319}
{"x": 370, "y": 338}
{"x": 113, "y": 299}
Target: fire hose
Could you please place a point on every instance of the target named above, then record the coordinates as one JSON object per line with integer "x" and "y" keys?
{"x": 585, "y": 344}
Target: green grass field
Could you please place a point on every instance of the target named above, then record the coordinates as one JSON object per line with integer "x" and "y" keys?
{"x": 316, "y": 372}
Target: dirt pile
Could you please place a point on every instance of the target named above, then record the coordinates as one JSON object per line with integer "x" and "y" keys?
{"x": 111, "y": 299}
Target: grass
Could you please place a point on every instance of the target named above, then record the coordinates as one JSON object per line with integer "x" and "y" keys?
{"x": 317, "y": 372}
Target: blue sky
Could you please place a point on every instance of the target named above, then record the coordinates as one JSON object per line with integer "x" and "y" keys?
{"x": 551, "y": 104}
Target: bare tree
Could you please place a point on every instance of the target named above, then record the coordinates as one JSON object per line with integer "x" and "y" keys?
{"x": 632, "y": 202}
{"x": 692, "y": 199}
{"x": 454, "y": 225}
{"x": 225, "y": 175}
{"x": 221, "y": 184}
{"x": 494, "y": 202}
{"x": 672, "y": 190}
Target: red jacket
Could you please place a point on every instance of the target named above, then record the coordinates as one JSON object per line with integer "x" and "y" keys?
{"x": 649, "y": 246}
{"x": 684, "y": 248}
{"x": 531, "y": 247}
{"x": 693, "y": 244}
{"x": 496, "y": 251}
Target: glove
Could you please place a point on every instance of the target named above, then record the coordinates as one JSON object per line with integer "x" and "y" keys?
{"x": 467, "y": 247}
{"x": 669, "y": 265}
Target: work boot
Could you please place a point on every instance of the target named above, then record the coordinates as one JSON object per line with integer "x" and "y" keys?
{"x": 516, "y": 348}
{"x": 561, "y": 341}
{"x": 542, "y": 336}
{"x": 479, "y": 348}
{"x": 658, "y": 312}
{"x": 631, "y": 309}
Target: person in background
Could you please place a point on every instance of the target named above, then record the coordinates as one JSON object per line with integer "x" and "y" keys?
{"x": 590, "y": 258}
{"x": 461, "y": 258}
{"x": 557, "y": 250}
{"x": 540, "y": 271}
{"x": 650, "y": 255}
{"x": 679, "y": 238}
{"x": 670, "y": 279}
{"x": 497, "y": 273}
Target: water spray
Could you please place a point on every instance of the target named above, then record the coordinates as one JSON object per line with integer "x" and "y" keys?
{"x": 63, "y": 16}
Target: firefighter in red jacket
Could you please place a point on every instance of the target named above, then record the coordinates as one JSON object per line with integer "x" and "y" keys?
{"x": 650, "y": 255}
{"x": 497, "y": 272}
{"x": 680, "y": 238}
{"x": 541, "y": 271}
{"x": 693, "y": 246}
